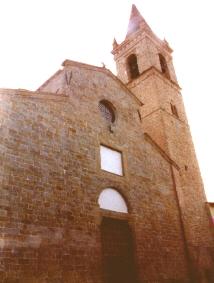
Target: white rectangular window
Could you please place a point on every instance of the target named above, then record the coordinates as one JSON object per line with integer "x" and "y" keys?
{"x": 111, "y": 160}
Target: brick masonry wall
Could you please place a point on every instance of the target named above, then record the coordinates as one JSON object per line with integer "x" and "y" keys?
{"x": 173, "y": 135}
{"x": 158, "y": 90}
{"x": 51, "y": 180}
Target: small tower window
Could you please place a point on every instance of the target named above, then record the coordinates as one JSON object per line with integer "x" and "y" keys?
{"x": 174, "y": 110}
{"x": 164, "y": 67}
{"x": 106, "y": 110}
{"x": 133, "y": 66}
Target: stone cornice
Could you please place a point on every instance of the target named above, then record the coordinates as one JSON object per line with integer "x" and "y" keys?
{"x": 151, "y": 72}
{"x": 34, "y": 94}
{"x": 68, "y": 63}
{"x": 166, "y": 112}
{"x": 139, "y": 36}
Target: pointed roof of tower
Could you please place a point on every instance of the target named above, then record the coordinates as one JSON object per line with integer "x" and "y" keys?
{"x": 136, "y": 22}
{"x": 138, "y": 26}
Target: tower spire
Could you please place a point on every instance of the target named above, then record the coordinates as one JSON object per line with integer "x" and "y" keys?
{"x": 136, "y": 21}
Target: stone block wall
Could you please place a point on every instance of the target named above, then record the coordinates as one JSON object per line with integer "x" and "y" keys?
{"x": 51, "y": 181}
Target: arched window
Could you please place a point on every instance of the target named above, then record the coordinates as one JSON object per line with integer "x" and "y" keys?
{"x": 111, "y": 199}
{"x": 106, "y": 110}
{"x": 133, "y": 66}
{"x": 164, "y": 67}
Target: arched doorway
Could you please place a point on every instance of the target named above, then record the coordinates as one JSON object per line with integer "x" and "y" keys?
{"x": 116, "y": 238}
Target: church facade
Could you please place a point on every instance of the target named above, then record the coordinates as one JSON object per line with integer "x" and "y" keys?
{"x": 99, "y": 180}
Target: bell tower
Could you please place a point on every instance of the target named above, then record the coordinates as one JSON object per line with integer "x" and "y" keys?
{"x": 147, "y": 48}
{"x": 144, "y": 64}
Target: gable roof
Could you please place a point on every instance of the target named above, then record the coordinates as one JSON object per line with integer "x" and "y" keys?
{"x": 67, "y": 63}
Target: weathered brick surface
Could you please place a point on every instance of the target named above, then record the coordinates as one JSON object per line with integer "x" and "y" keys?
{"x": 52, "y": 180}
{"x": 159, "y": 93}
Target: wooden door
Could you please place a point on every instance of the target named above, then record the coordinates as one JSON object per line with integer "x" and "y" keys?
{"x": 117, "y": 248}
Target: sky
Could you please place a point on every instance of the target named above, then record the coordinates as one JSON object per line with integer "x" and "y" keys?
{"x": 38, "y": 35}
